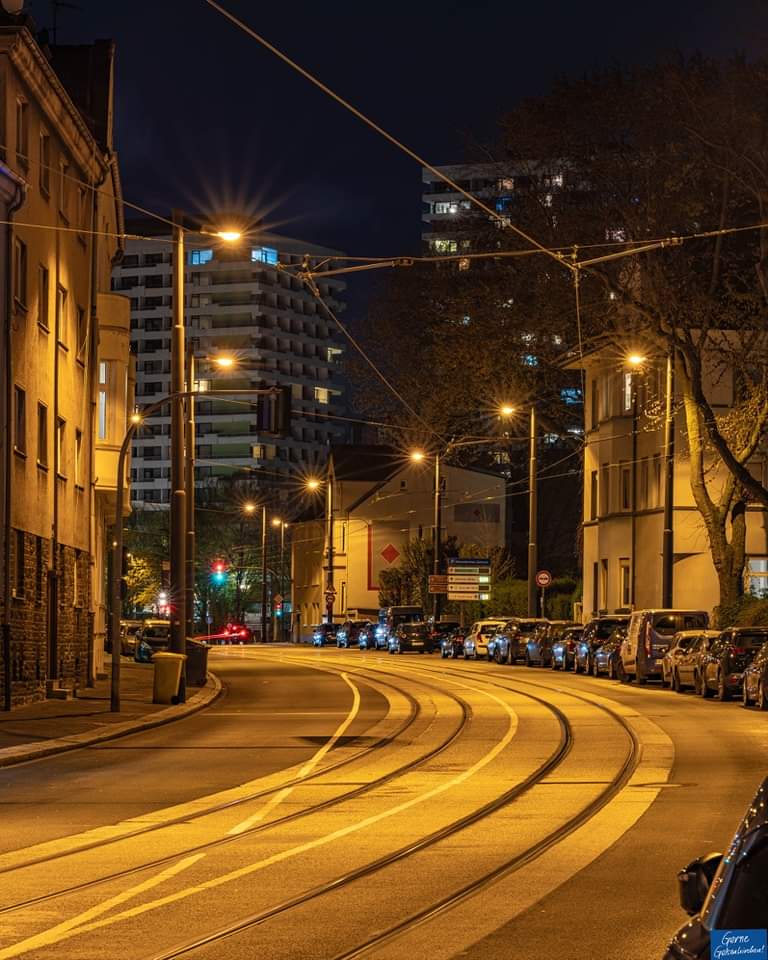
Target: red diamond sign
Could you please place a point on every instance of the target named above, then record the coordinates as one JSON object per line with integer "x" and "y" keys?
{"x": 390, "y": 553}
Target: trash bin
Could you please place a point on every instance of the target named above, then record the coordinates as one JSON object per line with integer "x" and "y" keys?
{"x": 197, "y": 663}
{"x": 167, "y": 676}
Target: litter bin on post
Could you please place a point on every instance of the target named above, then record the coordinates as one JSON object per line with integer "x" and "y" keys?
{"x": 168, "y": 667}
{"x": 197, "y": 663}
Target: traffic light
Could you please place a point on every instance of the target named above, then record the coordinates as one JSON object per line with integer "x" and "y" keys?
{"x": 275, "y": 412}
{"x": 219, "y": 572}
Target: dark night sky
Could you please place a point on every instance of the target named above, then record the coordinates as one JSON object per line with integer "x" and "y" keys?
{"x": 206, "y": 116}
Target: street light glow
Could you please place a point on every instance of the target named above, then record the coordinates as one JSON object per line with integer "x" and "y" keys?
{"x": 225, "y": 362}
{"x": 249, "y": 507}
{"x": 506, "y": 410}
{"x": 313, "y": 483}
{"x": 231, "y": 236}
{"x": 135, "y": 418}
{"x": 417, "y": 456}
{"x": 276, "y": 521}
{"x": 636, "y": 359}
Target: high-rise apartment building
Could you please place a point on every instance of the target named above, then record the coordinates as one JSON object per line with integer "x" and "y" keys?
{"x": 240, "y": 304}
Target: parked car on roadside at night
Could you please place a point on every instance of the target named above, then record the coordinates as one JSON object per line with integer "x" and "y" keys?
{"x": 686, "y": 672}
{"x": 476, "y": 640}
{"x": 348, "y": 634}
{"x": 678, "y": 647}
{"x": 323, "y": 634}
{"x": 649, "y": 637}
{"x": 153, "y": 636}
{"x": 722, "y": 667}
{"x": 538, "y": 650}
{"x": 605, "y": 659}
{"x": 564, "y": 648}
{"x": 754, "y": 688}
{"x": 452, "y": 645}
{"x": 129, "y": 630}
{"x": 596, "y": 632}
{"x": 510, "y": 642}
{"x": 441, "y": 629}
{"x": 725, "y": 894}
{"x": 411, "y": 638}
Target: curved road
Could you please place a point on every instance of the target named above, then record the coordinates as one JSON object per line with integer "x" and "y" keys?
{"x": 337, "y": 804}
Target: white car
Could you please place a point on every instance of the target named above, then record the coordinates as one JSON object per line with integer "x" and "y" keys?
{"x": 476, "y": 641}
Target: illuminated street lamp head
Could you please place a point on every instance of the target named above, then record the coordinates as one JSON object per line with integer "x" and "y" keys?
{"x": 249, "y": 508}
{"x": 506, "y": 410}
{"x": 230, "y": 236}
{"x": 312, "y": 484}
{"x": 276, "y": 521}
{"x": 635, "y": 359}
{"x": 417, "y": 456}
{"x": 225, "y": 362}
{"x": 135, "y": 418}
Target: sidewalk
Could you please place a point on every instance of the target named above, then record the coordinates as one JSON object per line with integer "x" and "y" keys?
{"x": 54, "y": 726}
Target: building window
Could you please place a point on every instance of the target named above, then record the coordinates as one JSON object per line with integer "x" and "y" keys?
{"x": 42, "y": 435}
{"x": 43, "y": 294}
{"x": 61, "y": 450}
{"x": 19, "y": 420}
{"x": 605, "y": 489}
{"x": 603, "y": 584}
{"x": 82, "y": 209}
{"x": 625, "y": 582}
{"x": 82, "y": 329}
{"x": 595, "y": 404}
{"x": 20, "y": 571}
{"x": 626, "y": 487}
{"x": 322, "y": 395}
{"x": 627, "y": 392}
{"x": 78, "y": 458}
{"x": 20, "y": 272}
{"x": 595, "y": 587}
{"x": 444, "y": 246}
{"x": 571, "y": 395}
{"x": 102, "y": 404}
{"x": 22, "y": 132}
{"x": 62, "y": 298}
{"x": 64, "y": 188}
{"x": 264, "y": 255}
{"x": 593, "y": 507}
{"x": 198, "y": 257}
{"x": 44, "y": 174}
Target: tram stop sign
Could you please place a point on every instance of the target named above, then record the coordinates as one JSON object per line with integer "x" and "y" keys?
{"x": 543, "y": 578}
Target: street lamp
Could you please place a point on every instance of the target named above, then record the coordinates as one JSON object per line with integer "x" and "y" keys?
{"x": 507, "y": 410}
{"x": 279, "y": 522}
{"x": 313, "y": 484}
{"x": 250, "y": 509}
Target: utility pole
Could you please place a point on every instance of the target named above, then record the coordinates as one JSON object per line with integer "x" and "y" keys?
{"x": 178, "y": 497}
{"x": 436, "y": 543}
{"x": 263, "y": 573}
{"x": 330, "y": 590}
{"x": 532, "y": 518}
{"x": 667, "y": 543}
{"x": 189, "y": 489}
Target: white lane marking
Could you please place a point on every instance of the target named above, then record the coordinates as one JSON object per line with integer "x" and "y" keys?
{"x": 68, "y": 928}
{"x": 308, "y": 767}
{"x": 251, "y": 868}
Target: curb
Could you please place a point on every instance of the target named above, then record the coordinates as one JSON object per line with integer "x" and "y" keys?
{"x": 9, "y": 756}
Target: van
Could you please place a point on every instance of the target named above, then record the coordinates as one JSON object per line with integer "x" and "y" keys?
{"x": 649, "y": 636}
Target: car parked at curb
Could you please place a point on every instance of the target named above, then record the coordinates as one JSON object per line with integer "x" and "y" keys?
{"x": 596, "y": 632}
{"x": 323, "y": 634}
{"x": 678, "y": 647}
{"x": 510, "y": 642}
{"x": 564, "y": 648}
{"x": 538, "y": 650}
{"x": 452, "y": 645}
{"x": 722, "y": 667}
{"x": 726, "y": 893}
{"x": 348, "y": 634}
{"x": 154, "y": 635}
{"x": 441, "y": 630}
{"x": 754, "y": 689}
{"x": 411, "y": 638}
{"x": 605, "y": 660}
{"x": 476, "y": 641}
{"x": 686, "y": 672}
{"x": 649, "y": 637}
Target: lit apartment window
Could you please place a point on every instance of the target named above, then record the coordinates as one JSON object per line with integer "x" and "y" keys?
{"x": 44, "y": 174}
{"x": 627, "y": 392}
{"x": 443, "y": 246}
{"x": 61, "y": 450}
{"x": 20, "y": 271}
{"x": 625, "y": 587}
{"x": 322, "y": 395}
{"x": 78, "y": 458}
{"x": 334, "y": 354}
{"x": 42, "y": 435}
{"x": 22, "y": 132}
{"x": 264, "y": 255}
{"x": 43, "y": 296}
{"x": 19, "y": 420}
{"x": 198, "y": 257}
{"x": 102, "y": 402}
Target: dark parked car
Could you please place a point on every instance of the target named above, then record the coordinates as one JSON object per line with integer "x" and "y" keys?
{"x": 722, "y": 667}
{"x": 755, "y": 685}
{"x": 687, "y": 668}
{"x": 605, "y": 660}
{"x": 679, "y": 646}
{"x": 509, "y": 644}
{"x": 153, "y": 636}
{"x": 539, "y": 648}
{"x": 564, "y": 648}
{"x": 452, "y": 645}
{"x": 442, "y": 629}
{"x": 348, "y": 634}
{"x": 596, "y": 632}
{"x": 411, "y": 637}
{"x": 726, "y": 893}
{"x": 323, "y": 634}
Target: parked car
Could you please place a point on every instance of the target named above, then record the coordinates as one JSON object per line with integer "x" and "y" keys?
{"x": 323, "y": 634}
{"x": 441, "y": 629}
{"x": 510, "y": 641}
{"x": 596, "y": 632}
{"x": 538, "y": 650}
{"x": 648, "y": 638}
{"x": 605, "y": 660}
{"x": 453, "y": 644}
{"x": 722, "y": 667}
{"x": 411, "y": 637}
{"x": 129, "y": 630}
{"x": 678, "y": 647}
{"x": 153, "y": 636}
{"x": 726, "y": 893}
{"x": 348, "y": 634}
{"x": 755, "y": 685}
{"x": 476, "y": 641}
{"x": 564, "y": 648}
{"x": 687, "y": 669}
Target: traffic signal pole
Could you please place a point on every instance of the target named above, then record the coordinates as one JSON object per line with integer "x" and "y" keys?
{"x": 532, "y": 518}
{"x": 178, "y": 536}
{"x": 264, "y": 573}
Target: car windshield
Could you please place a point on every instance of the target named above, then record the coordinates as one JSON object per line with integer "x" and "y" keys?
{"x": 528, "y": 626}
{"x": 749, "y": 640}
{"x": 746, "y": 905}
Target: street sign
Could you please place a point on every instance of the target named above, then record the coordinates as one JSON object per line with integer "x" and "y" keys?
{"x": 438, "y": 583}
{"x": 543, "y": 578}
{"x": 468, "y": 562}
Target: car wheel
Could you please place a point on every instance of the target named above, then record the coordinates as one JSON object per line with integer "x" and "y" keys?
{"x": 595, "y": 670}
{"x": 528, "y": 660}
{"x": 576, "y": 665}
{"x": 697, "y": 688}
{"x": 706, "y": 691}
{"x": 611, "y": 670}
{"x": 762, "y": 700}
{"x": 723, "y": 693}
{"x": 745, "y": 701}
{"x": 676, "y": 682}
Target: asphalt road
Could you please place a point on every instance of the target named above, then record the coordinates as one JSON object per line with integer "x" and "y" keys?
{"x": 337, "y": 804}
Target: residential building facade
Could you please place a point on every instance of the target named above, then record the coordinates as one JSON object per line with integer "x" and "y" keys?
{"x": 65, "y": 366}
{"x": 381, "y": 501}
{"x": 240, "y": 304}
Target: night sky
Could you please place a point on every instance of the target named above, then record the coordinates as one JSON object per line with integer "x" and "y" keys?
{"x": 207, "y": 118}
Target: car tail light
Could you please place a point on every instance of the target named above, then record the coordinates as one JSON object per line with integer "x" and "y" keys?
{"x": 648, "y": 645}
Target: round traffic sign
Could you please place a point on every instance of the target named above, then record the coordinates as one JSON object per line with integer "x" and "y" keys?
{"x": 543, "y": 578}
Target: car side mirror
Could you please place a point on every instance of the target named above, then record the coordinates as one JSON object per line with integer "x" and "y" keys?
{"x": 695, "y": 880}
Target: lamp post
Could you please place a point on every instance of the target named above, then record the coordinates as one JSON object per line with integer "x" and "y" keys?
{"x": 250, "y": 510}
{"x": 532, "y": 516}
{"x": 277, "y": 522}
{"x": 314, "y": 484}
